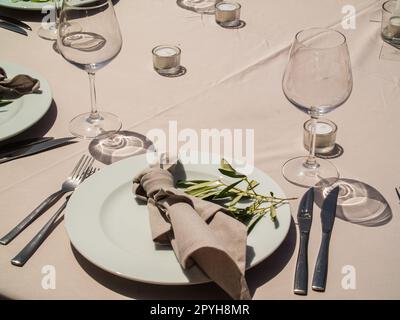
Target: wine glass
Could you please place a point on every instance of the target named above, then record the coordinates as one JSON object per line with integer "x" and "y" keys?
{"x": 89, "y": 38}
{"x": 49, "y": 31}
{"x": 317, "y": 80}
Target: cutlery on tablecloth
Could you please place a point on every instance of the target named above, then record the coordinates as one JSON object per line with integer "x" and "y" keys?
{"x": 328, "y": 215}
{"x": 70, "y": 184}
{"x": 26, "y": 253}
{"x": 12, "y": 147}
{"x": 13, "y": 27}
{"x": 304, "y": 220}
{"x": 15, "y": 21}
{"x": 34, "y": 148}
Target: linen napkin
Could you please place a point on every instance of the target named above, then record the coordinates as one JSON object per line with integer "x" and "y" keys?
{"x": 18, "y": 86}
{"x": 199, "y": 231}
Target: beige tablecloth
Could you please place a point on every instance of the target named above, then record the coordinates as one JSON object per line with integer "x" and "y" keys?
{"x": 233, "y": 81}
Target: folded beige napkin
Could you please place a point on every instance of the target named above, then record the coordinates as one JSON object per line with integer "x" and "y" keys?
{"x": 199, "y": 231}
{"x": 18, "y": 86}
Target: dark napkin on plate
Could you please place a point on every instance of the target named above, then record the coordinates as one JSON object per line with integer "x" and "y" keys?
{"x": 18, "y": 86}
{"x": 200, "y": 232}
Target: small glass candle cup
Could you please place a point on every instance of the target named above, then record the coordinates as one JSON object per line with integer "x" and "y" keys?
{"x": 390, "y": 29}
{"x": 326, "y": 135}
{"x": 227, "y": 14}
{"x": 167, "y": 59}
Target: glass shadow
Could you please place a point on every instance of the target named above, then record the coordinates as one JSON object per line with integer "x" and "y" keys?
{"x": 358, "y": 202}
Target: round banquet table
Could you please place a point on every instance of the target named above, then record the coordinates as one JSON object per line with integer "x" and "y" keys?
{"x": 233, "y": 80}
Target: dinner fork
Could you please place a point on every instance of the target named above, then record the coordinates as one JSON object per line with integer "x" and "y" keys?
{"x": 72, "y": 181}
{"x": 26, "y": 253}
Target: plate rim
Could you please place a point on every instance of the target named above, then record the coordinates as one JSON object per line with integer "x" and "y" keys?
{"x": 48, "y": 97}
{"x": 172, "y": 283}
{"x": 35, "y": 6}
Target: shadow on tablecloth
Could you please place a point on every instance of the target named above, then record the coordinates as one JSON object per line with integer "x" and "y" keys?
{"x": 358, "y": 203}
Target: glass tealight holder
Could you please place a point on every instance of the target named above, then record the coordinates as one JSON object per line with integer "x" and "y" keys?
{"x": 326, "y": 135}
{"x": 227, "y": 14}
{"x": 167, "y": 60}
{"x": 390, "y": 29}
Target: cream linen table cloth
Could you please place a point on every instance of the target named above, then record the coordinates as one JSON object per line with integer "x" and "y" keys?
{"x": 233, "y": 81}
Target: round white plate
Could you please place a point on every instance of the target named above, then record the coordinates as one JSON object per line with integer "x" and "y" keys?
{"x": 29, "y": 5}
{"x": 109, "y": 228}
{"x": 27, "y": 110}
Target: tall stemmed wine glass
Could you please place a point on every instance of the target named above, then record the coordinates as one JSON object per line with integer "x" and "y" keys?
{"x": 317, "y": 80}
{"x": 95, "y": 45}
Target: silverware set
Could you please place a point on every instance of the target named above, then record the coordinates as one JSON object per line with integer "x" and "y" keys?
{"x": 304, "y": 218}
{"x": 32, "y": 146}
{"x": 82, "y": 170}
{"x": 14, "y": 25}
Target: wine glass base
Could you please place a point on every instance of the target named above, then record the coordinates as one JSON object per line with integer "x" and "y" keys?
{"x": 120, "y": 146}
{"x": 297, "y": 173}
{"x": 48, "y": 33}
{"x": 86, "y": 127}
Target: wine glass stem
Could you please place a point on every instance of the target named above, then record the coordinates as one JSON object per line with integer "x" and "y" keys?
{"x": 311, "y": 161}
{"x": 94, "y": 114}
{"x": 57, "y": 8}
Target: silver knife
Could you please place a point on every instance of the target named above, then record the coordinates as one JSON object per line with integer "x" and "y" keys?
{"x": 37, "y": 148}
{"x": 12, "y": 27}
{"x": 14, "y": 147}
{"x": 328, "y": 215}
{"x": 15, "y": 22}
{"x": 304, "y": 219}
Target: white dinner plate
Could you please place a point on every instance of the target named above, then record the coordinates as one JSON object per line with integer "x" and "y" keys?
{"x": 109, "y": 228}
{"x": 27, "y": 110}
{"x": 30, "y": 5}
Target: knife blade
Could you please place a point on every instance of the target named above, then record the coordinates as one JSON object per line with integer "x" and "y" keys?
{"x": 15, "y": 21}
{"x": 304, "y": 220}
{"x": 328, "y": 215}
{"x": 13, "y": 27}
{"x": 37, "y": 148}
{"x": 13, "y": 148}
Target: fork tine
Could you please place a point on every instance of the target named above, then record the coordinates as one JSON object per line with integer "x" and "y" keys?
{"x": 81, "y": 168}
{"x": 85, "y": 172}
{"x": 398, "y": 192}
{"x": 89, "y": 173}
{"x": 77, "y": 166}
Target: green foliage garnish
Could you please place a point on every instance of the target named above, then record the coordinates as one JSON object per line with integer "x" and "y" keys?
{"x": 243, "y": 203}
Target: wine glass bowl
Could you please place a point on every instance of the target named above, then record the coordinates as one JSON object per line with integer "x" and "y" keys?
{"x": 317, "y": 80}
{"x": 89, "y": 38}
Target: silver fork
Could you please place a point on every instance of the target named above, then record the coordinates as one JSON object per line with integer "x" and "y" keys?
{"x": 69, "y": 185}
{"x": 26, "y": 253}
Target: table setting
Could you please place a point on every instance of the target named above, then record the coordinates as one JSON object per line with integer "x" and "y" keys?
{"x": 180, "y": 166}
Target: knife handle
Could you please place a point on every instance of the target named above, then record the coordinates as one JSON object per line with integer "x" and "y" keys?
{"x": 321, "y": 266}
{"x": 31, "y": 217}
{"x": 301, "y": 275}
{"x": 26, "y": 253}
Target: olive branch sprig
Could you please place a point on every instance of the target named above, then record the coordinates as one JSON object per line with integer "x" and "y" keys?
{"x": 229, "y": 195}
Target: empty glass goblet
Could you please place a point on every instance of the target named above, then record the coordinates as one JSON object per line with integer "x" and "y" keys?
{"x": 317, "y": 80}
{"x": 89, "y": 38}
